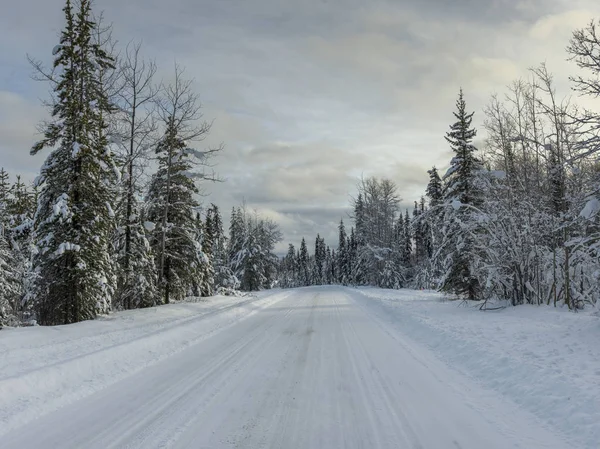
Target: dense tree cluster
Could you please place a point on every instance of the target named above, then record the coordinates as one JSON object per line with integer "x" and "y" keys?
{"x": 115, "y": 218}
{"x": 252, "y": 261}
{"x": 114, "y": 221}
{"x": 516, "y": 219}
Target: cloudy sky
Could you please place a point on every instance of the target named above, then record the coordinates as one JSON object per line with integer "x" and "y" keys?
{"x": 308, "y": 95}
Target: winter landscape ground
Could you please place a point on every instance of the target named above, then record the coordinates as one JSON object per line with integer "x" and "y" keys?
{"x": 318, "y": 367}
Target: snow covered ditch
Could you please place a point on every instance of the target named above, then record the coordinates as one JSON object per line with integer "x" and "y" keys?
{"x": 546, "y": 360}
{"x": 45, "y": 368}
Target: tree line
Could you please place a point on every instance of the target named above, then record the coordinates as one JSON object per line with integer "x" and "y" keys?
{"x": 114, "y": 219}
{"x": 516, "y": 219}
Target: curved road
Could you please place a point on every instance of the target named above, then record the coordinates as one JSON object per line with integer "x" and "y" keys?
{"x": 316, "y": 369}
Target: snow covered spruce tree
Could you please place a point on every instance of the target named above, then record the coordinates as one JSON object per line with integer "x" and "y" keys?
{"x": 10, "y": 285}
{"x": 303, "y": 265}
{"x": 342, "y": 269}
{"x": 236, "y": 245}
{"x": 252, "y": 240}
{"x": 352, "y": 255}
{"x": 204, "y": 284}
{"x": 171, "y": 210}
{"x": 4, "y": 196}
{"x": 288, "y": 272}
{"x": 223, "y": 276}
{"x": 375, "y": 211}
{"x": 20, "y": 208}
{"x": 171, "y": 202}
{"x": 137, "y": 280}
{"x": 461, "y": 194}
{"x": 430, "y": 221}
{"x": 320, "y": 259}
{"x": 260, "y": 263}
{"x": 74, "y": 277}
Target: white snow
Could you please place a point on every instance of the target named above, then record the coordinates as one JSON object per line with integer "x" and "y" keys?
{"x": 591, "y": 208}
{"x": 498, "y": 174}
{"x": 544, "y": 360}
{"x": 66, "y": 246}
{"x": 456, "y": 204}
{"x": 61, "y": 207}
{"x": 76, "y": 150}
{"x": 149, "y": 226}
{"x": 326, "y": 367}
{"x": 111, "y": 212}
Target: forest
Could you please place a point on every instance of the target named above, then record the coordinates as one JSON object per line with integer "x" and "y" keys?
{"x": 117, "y": 218}
{"x": 515, "y": 220}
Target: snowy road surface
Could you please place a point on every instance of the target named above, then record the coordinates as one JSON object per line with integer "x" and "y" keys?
{"x": 309, "y": 368}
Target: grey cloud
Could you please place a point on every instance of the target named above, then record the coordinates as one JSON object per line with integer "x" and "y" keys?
{"x": 308, "y": 96}
{"x": 306, "y": 222}
{"x": 18, "y": 118}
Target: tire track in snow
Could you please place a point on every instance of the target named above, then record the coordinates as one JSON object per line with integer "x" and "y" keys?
{"x": 179, "y": 403}
{"x": 372, "y": 437}
{"x": 380, "y": 388}
{"x": 53, "y": 350}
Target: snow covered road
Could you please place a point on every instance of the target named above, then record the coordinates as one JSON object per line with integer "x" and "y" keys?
{"x": 307, "y": 368}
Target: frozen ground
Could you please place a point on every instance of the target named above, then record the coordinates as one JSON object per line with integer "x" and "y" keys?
{"x": 310, "y": 368}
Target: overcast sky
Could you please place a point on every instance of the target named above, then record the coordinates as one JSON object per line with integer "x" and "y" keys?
{"x": 307, "y": 95}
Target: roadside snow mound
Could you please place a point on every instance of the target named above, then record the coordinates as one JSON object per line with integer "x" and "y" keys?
{"x": 45, "y": 368}
{"x": 545, "y": 360}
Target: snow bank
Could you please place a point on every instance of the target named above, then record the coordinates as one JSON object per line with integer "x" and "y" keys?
{"x": 44, "y": 368}
{"x": 545, "y": 360}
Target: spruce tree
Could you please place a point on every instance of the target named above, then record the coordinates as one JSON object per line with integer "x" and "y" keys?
{"x": 360, "y": 221}
{"x": 74, "y": 222}
{"x": 171, "y": 207}
{"x": 434, "y": 189}
{"x": 289, "y": 270}
{"x": 407, "y": 240}
{"x": 461, "y": 195}
{"x": 355, "y": 268}
{"x": 319, "y": 265}
{"x": 20, "y": 211}
{"x": 303, "y": 265}
{"x": 460, "y": 179}
{"x": 223, "y": 276}
{"x": 331, "y": 266}
{"x": 10, "y": 285}
{"x": 252, "y": 272}
{"x": 205, "y": 280}
{"x": 342, "y": 255}
{"x": 425, "y": 232}
{"x": 172, "y": 203}
{"x": 214, "y": 227}
{"x": 21, "y": 205}
{"x": 417, "y": 232}
{"x": 4, "y": 197}
{"x": 237, "y": 240}
{"x": 432, "y": 226}
{"x": 138, "y": 287}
